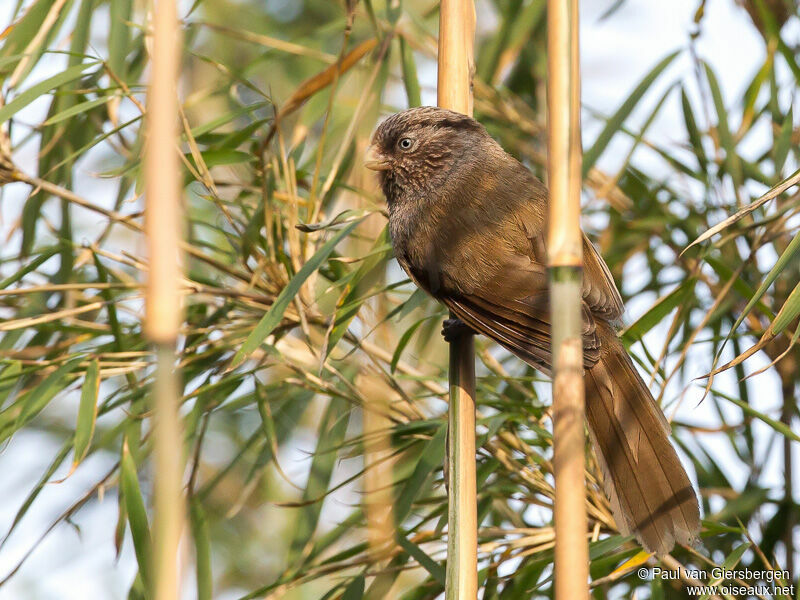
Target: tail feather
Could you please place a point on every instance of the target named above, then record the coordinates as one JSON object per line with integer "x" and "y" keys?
{"x": 650, "y": 494}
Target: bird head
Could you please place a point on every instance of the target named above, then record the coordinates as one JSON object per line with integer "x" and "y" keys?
{"x": 413, "y": 150}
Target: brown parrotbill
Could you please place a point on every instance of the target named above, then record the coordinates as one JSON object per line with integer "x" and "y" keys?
{"x": 468, "y": 224}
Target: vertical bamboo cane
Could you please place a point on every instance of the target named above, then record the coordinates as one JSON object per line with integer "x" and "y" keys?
{"x": 456, "y": 38}
{"x": 162, "y": 302}
{"x": 565, "y": 260}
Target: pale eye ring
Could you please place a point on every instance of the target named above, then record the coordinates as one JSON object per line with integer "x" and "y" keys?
{"x": 405, "y": 143}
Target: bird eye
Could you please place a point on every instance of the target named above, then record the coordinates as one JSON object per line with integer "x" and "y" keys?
{"x": 405, "y": 143}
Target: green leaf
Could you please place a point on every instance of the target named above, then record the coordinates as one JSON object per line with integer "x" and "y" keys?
{"x": 40, "y": 485}
{"x": 330, "y": 435}
{"x": 345, "y": 216}
{"x": 426, "y": 562}
{"x": 788, "y": 312}
{"x": 616, "y": 121}
{"x": 100, "y": 138}
{"x": 119, "y": 36}
{"x": 226, "y": 118}
{"x": 44, "y": 256}
{"x": 693, "y": 132}
{"x": 274, "y": 315}
{"x": 735, "y": 556}
{"x": 222, "y": 157}
{"x": 783, "y": 143}
{"x": 410, "y": 74}
{"x": 9, "y": 379}
{"x": 34, "y": 92}
{"x": 76, "y": 110}
{"x": 744, "y": 289}
{"x": 732, "y": 160}
{"x": 137, "y": 515}
{"x": 23, "y": 31}
{"x": 789, "y": 55}
{"x": 355, "y": 591}
{"x": 781, "y": 428}
{"x": 369, "y": 271}
{"x": 40, "y": 396}
{"x": 404, "y": 339}
{"x": 662, "y": 307}
{"x": 87, "y": 412}
{"x": 430, "y": 458}
{"x": 202, "y": 545}
{"x": 80, "y": 33}
{"x": 414, "y": 301}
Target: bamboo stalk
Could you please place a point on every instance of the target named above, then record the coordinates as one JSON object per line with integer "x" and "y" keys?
{"x": 162, "y": 300}
{"x": 454, "y": 91}
{"x": 565, "y": 259}
{"x": 376, "y": 422}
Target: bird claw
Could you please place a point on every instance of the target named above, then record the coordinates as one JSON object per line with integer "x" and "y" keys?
{"x": 454, "y": 328}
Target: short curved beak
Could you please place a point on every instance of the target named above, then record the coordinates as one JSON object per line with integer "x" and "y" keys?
{"x": 376, "y": 161}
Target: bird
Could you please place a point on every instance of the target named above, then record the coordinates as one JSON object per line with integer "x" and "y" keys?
{"x": 468, "y": 224}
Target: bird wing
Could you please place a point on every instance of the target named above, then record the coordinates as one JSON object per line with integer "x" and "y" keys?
{"x": 513, "y": 309}
{"x": 599, "y": 290}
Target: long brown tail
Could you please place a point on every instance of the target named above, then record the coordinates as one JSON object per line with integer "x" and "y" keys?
{"x": 650, "y": 493}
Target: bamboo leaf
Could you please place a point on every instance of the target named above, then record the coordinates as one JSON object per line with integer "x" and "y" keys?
{"x": 662, "y": 307}
{"x": 33, "y": 401}
{"x": 732, "y": 160}
{"x": 355, "y": 591}
{"x": 788, "y": 312}
{"x": 222, "y": 157}
{"x": 137, "y": 515}
{"x": 693, "y": 132}
{"x": 43, "y": 257}
{"x": 35, "y": 91}
{"x": 37, "y": 489}
{"x": 77, "y": 109}
{"x": 426, "y": 562}
{"x": 321, "y": 80}
{"x": 22, "y": 32}
{"x": 638, "y": 559}
{"x": 430, "y": 458}
{"x": 735, "y": 556}
{"x": 784, "y": 141}
{"x": 87, "y": 412}
{"x": 368, "y": 272}
{"x": 332, "y": 429}
{"x": 410, "y": 80}
{"x": 403, "y": 342}
{"x": 119, "y": 36}
{"x": 781, "y": 428}
{"x": 202, "y": 545}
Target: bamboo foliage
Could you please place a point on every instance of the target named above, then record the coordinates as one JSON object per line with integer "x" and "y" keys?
{"x": 274, "y": 439}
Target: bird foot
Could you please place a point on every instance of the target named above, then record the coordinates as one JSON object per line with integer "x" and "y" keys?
{"x": 452, "y": 329}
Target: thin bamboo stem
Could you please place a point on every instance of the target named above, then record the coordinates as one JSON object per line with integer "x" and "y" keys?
{"x": 162, "y": 301}
{"x": 565, "y": 258}
{"x": 462, "y": 509}
{"x": 454, "y": 91}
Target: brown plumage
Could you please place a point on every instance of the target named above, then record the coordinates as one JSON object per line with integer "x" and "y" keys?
{"x": 468, "y": 225}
